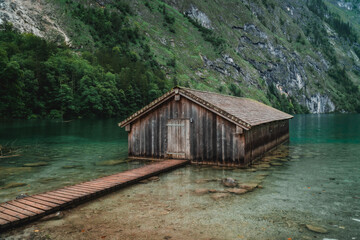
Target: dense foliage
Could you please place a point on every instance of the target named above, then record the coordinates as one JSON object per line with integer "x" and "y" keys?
{"x": 348, "y": 93}
{"x": 208, "y": 35}
{"x": 343, "y": 29}
{"x": 41, "y": 79}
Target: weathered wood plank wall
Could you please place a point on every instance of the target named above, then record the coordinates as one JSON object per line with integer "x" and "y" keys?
{"x": 212, "y": 138}
{"x": 262, "y": 138}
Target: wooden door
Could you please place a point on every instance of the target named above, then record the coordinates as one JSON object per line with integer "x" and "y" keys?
{"x": 178, "y": 138}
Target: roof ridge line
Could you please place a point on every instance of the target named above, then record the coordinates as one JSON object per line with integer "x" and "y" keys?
{"x": 231, "y": 96}
{"x": 221, "y": 94}
{"x": 234, "y": 118}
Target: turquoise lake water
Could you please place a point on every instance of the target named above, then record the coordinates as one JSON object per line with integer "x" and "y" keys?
{"x": 318, "y": 182}
{"x": 73, "y": 152}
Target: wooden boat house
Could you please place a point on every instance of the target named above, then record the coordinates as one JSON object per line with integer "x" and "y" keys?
{"x": 206, "y": 128}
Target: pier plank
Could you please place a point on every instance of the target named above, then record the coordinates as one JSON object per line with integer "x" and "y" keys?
{"x": 34, "y": 204}
{"x": 47, "y": 199}
{"x": 12, "y": 213}
{"x": 46, "y": 203}
{"x": 17, "y": 211}
{"x": 26, "y": 207}
{"x": 62, "y": 195}
{"x": 51, "y": 196}
{"x": 9, "y": 218}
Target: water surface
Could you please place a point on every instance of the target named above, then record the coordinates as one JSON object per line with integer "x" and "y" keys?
{"x": 317, "y": 183}
{"x": 70, "y": 152}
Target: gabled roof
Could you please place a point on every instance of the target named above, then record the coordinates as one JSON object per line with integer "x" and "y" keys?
{"x": 244, "y": 112}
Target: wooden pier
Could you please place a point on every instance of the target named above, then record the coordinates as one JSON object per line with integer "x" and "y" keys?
{"x": 21, "y": 211}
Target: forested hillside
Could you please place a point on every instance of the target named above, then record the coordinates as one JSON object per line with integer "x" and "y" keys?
{"x": 91, "y": 58}
{"x": 43, "y": 79}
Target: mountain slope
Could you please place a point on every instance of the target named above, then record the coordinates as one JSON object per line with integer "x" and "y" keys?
{"x": 295, "y": 56}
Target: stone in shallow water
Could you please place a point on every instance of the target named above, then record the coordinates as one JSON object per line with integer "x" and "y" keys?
{"x": 248, "y": 186}
{"x": 237, "y": 190}
{"x": 262, "y": 165}
{"x": 154, "y": 178}
{"x": 206, "y": 180}
{"x": 71, "y": 166}
{"x": 46, "y": 180}
{"x": 36, "y": 164}
{"x": 13, "y": 170}
{"x": 217, "y": 191}
{"x": 229, "y": 182}
{"x": 316, "y": 229}
{"x": 201, "y": 191}
{"x": 217, "y": 196}
{"x": 13, "y": 185}
{"x": 21, "y": 196}
{"x": 151, "y": 179}
{"x": 55, "y": 216}
{"x": 110, "y": 162}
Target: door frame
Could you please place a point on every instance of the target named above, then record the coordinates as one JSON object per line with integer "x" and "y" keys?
{"x": 186, "y": 139}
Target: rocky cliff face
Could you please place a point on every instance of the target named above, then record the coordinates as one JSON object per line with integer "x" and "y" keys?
{"x": 279, "y": 65}
{"x": 33, "y": 16}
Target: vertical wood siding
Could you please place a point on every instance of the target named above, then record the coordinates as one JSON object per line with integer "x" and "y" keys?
{"x": 212, "y": 139}
{"x": 262, "y": 138}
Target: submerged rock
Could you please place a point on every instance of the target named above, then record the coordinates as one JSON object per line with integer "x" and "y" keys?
{"x": 316, "y": 229}
{"x": 13, "y": 185}
{"x": 110, "y": 162}
{"x": 144, "y": 181}
{"x": 229, "y": 182}
{"x": 207, "y": 180}
{"x": 21, "y": 196}
{"x": 71, "y": 166}
{"x": 55, "y": 216}
{"x": 151, "y": 179}
{"x": 46, "y": 180}
{"x": 217, "y": 191}
{"x": 262, "y": 165}
{"x": 154, "y": 179}
{"x": 36, "y": 164}
{"x": 248, "y": 186}
{"x": 237, "y": 190}
{"x": 276, "y": 164}
{"x": 201, "y": 191}
{"x": 217, "y": 196}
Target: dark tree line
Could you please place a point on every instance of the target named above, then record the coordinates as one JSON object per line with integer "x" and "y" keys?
{"x": 45, "y": 80}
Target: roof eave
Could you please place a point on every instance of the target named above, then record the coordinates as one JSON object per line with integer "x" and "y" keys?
{"x": 147, "y": 108}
